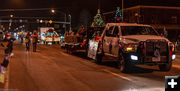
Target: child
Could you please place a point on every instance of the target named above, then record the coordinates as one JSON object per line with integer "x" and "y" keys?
{"x": 5, "y": 63}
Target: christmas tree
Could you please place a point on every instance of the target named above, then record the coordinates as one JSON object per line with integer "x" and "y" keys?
{"x": 98, "y": 21}
{"x": 118, "y": 16}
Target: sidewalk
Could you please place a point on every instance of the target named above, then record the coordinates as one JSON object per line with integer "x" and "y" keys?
{"x": 2, "y": 85}
{"x": 6, "y": 82}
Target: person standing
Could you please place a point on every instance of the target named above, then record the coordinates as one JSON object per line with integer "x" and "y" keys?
{"x": 9, "y": 41}
{"x": 35, "y": 40}
{"x": 21, "y": 35}
{"x": 27, "y": 41}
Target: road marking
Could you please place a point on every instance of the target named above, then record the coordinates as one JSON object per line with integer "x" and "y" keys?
{"x": 64, "y": 54}
{"x": 176, "y": 66}
{"x": 118, "y": 75}
{"x": 138, "y": 82}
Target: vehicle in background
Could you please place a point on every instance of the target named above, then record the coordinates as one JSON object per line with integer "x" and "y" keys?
{"x": 131, "y": 44}
{"x": 48, "y": 35}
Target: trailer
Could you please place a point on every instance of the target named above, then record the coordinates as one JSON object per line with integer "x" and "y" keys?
{"x": 80, "y": 42}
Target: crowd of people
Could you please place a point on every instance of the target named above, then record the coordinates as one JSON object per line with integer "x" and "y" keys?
{"x": 7, "y": 43}
{"x": 28, "y": 41}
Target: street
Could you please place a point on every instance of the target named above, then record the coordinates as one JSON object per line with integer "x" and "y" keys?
{"x": 52, "y": 69}
{"x": 90, "y": 45}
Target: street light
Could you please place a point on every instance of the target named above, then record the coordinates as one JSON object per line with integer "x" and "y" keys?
{"x": 52, "y": 11}
{"x": 11, "y": 16}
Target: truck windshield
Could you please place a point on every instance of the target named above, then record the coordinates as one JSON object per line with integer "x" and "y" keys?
{"x": 137, "y": 30}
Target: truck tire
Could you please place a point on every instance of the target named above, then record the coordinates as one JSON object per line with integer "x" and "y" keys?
{"x": 67, "y": 48}
{"x": 165, "y": 67}
{"x": 124, "y": 65}
{"x": 98, "y": 58}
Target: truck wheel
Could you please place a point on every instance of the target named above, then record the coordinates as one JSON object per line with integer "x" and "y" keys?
{"x": 98, "y": 58}
{"x": 124, "y": 65}
{"x": 165, "y": 67}
{"x": 67, "y": 49}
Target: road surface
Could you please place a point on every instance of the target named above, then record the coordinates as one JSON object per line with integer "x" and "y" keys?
{"x": 52, "y": 69}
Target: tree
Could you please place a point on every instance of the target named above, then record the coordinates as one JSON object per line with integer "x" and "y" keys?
{"x": 98, "y": 21}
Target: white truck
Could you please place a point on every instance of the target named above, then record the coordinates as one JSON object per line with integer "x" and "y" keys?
{"x": 132, "y": 44}
{"x": 49, "y": 35}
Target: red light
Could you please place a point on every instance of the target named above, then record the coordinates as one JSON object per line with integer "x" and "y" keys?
{"x": 97, "y": 38}
{"x": 83, "y": 44}
{"x": 170, "y": 53}
{"x": 123, "y": 22}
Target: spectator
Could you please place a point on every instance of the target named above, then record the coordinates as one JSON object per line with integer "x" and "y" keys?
{"x": 27, "y": 41}
{"x": 35, "y": 40}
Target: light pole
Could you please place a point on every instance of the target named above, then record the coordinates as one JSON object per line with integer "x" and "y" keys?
{"x": 10, "y": 21}
{"x": 122, "y": 10}
{"x": 53, "y": 11}
{"x": 70, "y": 19}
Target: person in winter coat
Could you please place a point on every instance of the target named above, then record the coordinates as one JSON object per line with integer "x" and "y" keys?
{"x": 9, "y": 41}
{"x": 35, "y": 40}
{"x": 27, "y": 41}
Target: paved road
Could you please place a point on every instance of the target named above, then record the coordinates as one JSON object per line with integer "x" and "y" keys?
{"x": 51, "y": 69}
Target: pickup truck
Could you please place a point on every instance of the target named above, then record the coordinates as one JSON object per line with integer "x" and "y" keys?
{"x": 131, "y": 44}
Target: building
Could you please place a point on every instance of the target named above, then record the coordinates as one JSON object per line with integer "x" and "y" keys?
{"x": 162, "y": 18}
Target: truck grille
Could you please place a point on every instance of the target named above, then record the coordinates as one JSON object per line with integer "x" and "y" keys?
{"x": 156, "y": 46}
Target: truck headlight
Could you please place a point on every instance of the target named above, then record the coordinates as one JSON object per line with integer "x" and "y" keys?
{"x": 133, "y": 57}
{"x": 173, "y": 56}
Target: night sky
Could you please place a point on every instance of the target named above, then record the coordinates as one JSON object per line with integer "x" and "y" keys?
{"x": 75, "y": 7}
{"x": 89, "y": 4}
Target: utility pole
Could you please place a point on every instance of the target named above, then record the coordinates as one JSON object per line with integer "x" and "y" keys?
{"x": 65, "y": 21}
{"x": 123, "y": 10}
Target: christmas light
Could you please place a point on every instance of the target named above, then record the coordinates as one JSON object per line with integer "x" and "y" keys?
{"x": 98, "y": 21}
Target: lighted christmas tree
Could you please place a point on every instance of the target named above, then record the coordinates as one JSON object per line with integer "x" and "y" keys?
{"x": 118, "y": 16}
{"x": 98, "y": 21}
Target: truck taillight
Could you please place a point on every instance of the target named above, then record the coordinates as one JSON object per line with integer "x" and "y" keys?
{"x": 170, "y": 53}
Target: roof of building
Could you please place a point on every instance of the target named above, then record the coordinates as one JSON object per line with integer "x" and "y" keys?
{"x": 159, "y": 7}
{"x": 126, "y": 24}
{"x": 141, "y": 6}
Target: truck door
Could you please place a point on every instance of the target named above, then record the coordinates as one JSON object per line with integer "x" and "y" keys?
{"x": 115, "y": 41}
{"x": 107, "y": 41}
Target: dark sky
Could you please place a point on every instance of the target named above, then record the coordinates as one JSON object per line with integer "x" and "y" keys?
{"x": 76, "y": 6}
{"x": 81, "y": 3}
{"x": 91, "y": 5}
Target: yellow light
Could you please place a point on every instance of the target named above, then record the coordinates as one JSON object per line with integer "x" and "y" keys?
{"x": 50, "y": 21}
{"x": 129, "y": 48}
